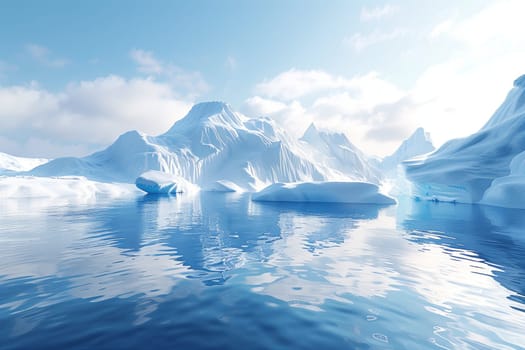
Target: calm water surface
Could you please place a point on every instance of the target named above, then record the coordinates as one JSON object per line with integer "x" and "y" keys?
{"x": 218, "y": 271}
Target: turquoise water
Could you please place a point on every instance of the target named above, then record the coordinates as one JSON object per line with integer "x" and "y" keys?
{"x": 218, "y": 271}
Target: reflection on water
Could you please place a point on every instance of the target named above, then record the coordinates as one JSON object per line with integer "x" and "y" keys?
{"x": 220, "y": 271}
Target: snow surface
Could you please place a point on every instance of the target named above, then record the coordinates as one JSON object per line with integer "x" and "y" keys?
{"x": 157, "y": 182}
{"x": 213, "y": 144}
{"x": 334, "y": 151}
{"x": 508, "y": 191}
{"x": 11, "y": 164}
{"x": 77, "y": 187}
{"x": 328, "y": 192}
{"x": 463, "y": 169}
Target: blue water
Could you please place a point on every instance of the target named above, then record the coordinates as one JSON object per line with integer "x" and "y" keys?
{"x": 218, "y": 271}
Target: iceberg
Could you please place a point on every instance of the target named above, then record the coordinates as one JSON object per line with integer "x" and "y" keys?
{"x": 324, "y": 192}
{"x": 157, "y": 182}
{"x": 462, "y": 170}
{"x": 508, "y": 191}
{"x": 219, "y": 149}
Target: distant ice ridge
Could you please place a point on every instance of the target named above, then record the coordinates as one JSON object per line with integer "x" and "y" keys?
{"x": 419, "y": 143}
{"x": 10, "y": 164}
{"x": 324, "y": 192}
{"x": 219, "y": 149}
{"x": 463, "y": 170}
{"x": 336, "y": 154}
{"x": 416, "y": 145}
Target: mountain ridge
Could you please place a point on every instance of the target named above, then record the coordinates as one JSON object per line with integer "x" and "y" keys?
{"x": 213, "y": 143}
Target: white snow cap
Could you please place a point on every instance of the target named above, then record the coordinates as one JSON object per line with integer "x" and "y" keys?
{"x": 419, "y": 143}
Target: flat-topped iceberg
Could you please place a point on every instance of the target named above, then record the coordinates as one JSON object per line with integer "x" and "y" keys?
{"x": 158, "y": 182}
{"x": 324, "y": 192}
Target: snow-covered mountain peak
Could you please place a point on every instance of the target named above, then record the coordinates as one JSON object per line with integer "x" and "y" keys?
{"x": 314, "y": 134}
{"x": 213, "y": 113}
{"x": 214, "y": 145}
{"x": 417, "y": 144}
{"x": 512, "y": 107}
{"x": 520, "y": 82}
{"x": 335, "y": 151}
{"x": 420, "y": 133}
{"x": 419, "y": 138}
{"x": 311, "y": 131}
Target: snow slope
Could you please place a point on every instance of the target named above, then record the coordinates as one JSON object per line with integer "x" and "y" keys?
{"x": 76, "y": 187}
{"x": 463, "y": 169}
{"x": 417, "y": 144}
{"x": 211, "y": 146}
{"x": 334, "y": 151}
{"x": 9, "y": 163}
{"x": 508, "y": 191}
{"x": 324, "y": 192}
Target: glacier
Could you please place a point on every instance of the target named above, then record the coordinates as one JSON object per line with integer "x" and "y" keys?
{"x": 324, "y": 192}
{"x": 219, "y": 149}
{"x": 463, "y": 170}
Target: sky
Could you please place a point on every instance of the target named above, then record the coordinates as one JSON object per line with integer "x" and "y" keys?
{"x": 75, "y": 75}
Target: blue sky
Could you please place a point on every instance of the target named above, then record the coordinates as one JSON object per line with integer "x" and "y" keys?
{"x": 74, "y": 75}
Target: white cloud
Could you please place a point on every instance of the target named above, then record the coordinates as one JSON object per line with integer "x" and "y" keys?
{"x": 361, "y": 41}
{"x": 457, "y": 96}
{"x": 296, "y": 83}
{"x": 44, "y": 56}
{"x": 377, "y": 13}
{"x": 190, "y": 83}
{"x": 258, "y": 106}
{"x": 85, "y": 116}
{"x": 353, "y": 105}
{"x": 146, "y": 62}
{"x": 498, "y": 22}
{"x": 291, "y": 115}
{"x": 451, "y": 99}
